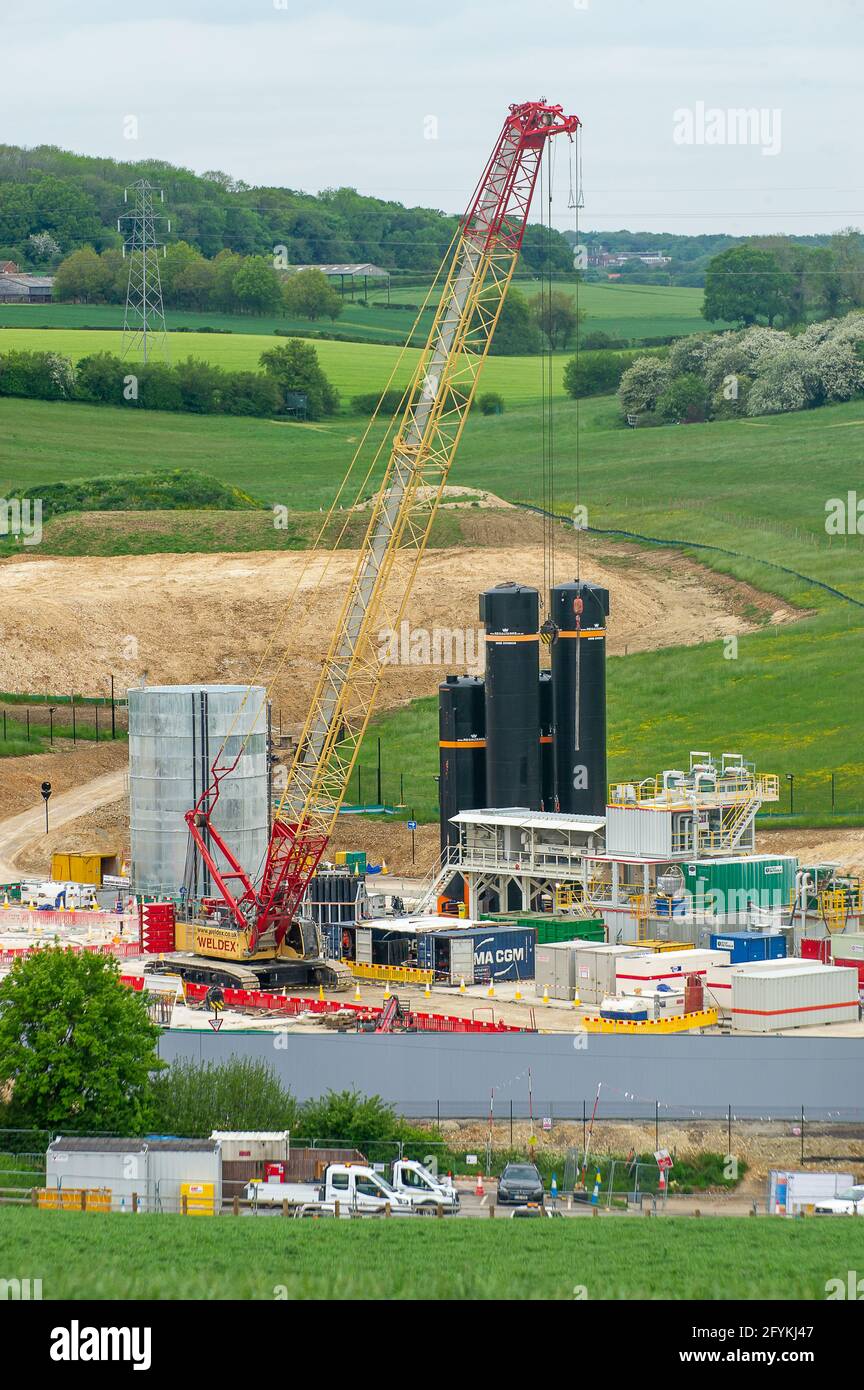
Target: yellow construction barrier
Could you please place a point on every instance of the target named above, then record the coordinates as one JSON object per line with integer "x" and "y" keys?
{"x": 390, "y": 974}
{"x": 683, "y": 1023}
{"x": 74, "y": 1198}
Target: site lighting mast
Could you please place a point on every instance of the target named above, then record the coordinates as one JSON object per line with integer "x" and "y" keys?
{"x": 144, "y": 317}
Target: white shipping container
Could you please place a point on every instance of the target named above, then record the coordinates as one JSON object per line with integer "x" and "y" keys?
{"x": 638, "y": 830}
{"x": 595, "y": 968}
{"x": 555, "y": 969}
{"x": 668, "y": 965}
{"x": 768, "y": 1003}
{"x": 718, "y": 978}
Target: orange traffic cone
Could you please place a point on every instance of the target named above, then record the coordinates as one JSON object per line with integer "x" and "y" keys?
{"x": 479, "y": 1190}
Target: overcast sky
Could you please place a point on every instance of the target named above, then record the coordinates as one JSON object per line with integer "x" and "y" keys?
{"x": 313, "y": 95}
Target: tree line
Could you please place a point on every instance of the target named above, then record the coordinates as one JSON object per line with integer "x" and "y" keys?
{"x": 290, "y": 370}
{"x": 76, "y": 199}
{"x": 777, "y": 280}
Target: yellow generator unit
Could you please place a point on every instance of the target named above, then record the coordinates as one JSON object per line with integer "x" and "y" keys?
{"x": 200, "y": 1198}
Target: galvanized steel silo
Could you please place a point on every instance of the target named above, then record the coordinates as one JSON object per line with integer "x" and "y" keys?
{"x": 175, "y": 732}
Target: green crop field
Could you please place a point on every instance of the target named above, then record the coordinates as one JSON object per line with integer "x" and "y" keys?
{"x": 87, "y": 1255}
{"x": 372, "y": 322}
{"x": 354, "y": 368}
{"x": 623, "y": 311}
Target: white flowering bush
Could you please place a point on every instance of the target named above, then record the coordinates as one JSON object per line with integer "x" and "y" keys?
{"x": 762, "y": 345}
{"x": 642, "y": 383}
{"x": 62, "y": 373}
{"x": 839, "y": 369}
{"x": 757, "y": 371}
{"x": 786, "y": 381}
{"x": 690, "y": 355}
{"x": 849, "y": 330}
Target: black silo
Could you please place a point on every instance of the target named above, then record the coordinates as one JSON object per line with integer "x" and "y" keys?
{"x": 511, "y": 614}
{"x": 461, "y": 750}
{"x": 579, "y": 611}
{"x": 547, "y": 748}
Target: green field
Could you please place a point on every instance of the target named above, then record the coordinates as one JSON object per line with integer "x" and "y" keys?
{"x": 623, "y": 311}
{"x": 353, "y": 368}
{"x": 86, "y": 1255}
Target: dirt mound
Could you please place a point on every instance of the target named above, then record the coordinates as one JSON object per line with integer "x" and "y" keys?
{"x": 187, "y": 617}
{"x": 842, "y": 846}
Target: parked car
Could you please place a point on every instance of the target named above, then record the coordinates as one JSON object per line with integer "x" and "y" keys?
{"x": 520, "y": 1183}
{"x": 848, "y": 1203}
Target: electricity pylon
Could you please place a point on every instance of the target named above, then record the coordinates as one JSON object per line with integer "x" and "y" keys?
{"x": 144, "y": 318}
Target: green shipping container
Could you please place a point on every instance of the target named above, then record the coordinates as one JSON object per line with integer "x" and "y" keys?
{"x": 356, "y": 858}
{"x": 550, "y": 929}
{"x": 766, "y": 880}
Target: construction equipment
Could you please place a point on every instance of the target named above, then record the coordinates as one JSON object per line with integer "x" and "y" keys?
{"x": 258, "y": 925}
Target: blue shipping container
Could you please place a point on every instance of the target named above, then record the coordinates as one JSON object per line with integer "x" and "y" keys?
{"x": 500, "y": 953}
{"x": 750, "y": 945}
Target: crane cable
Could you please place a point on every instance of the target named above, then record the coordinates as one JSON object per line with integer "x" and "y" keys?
{"x": 576, "y": 202}
{"x": 547, "y": 462}
{"x": 288, "y": 609}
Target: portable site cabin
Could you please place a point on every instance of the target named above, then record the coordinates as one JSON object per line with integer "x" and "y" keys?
{"x": 152, "y": 1174}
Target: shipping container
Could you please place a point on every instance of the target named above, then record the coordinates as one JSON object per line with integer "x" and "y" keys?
{"x": 555, "y": 969}
{"x": 595, "y": 969}
{"x": 718, "y": 979}
{"x": 768, "y": 1002}
{"x": 750, "y": 945}
{"x": 551, "y": 928}
{"x": 731, "y": 887}
{"x": 84, "y": 868}
{"x": 667, "y": 965}
{"x": 479, "y": 952}
{"x": 640, "y": 830}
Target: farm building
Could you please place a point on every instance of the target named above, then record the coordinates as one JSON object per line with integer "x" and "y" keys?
{"x": 25, "y": 289}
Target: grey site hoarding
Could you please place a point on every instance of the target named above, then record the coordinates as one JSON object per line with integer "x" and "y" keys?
{"x": 448, "y": 1074}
